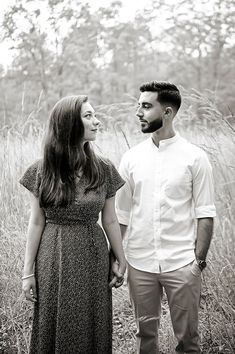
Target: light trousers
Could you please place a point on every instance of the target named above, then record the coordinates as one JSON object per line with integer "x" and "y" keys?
{"x": 182, "y": 288}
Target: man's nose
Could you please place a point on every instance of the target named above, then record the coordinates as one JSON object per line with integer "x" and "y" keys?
{"x": 139, "y": 112}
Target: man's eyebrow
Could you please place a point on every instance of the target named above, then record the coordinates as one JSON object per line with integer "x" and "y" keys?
{"x": 145, "y": 103}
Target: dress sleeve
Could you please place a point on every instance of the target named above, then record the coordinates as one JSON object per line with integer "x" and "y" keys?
{"x": 31, "y": 179}
{"x": 124, "y": 196}
{"x": 113, "y": 179}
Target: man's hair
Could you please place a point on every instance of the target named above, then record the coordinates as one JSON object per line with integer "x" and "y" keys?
{"x": 167, "y": 93}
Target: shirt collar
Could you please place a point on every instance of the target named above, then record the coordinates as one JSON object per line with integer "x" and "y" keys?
{"x": 167, "y": 142}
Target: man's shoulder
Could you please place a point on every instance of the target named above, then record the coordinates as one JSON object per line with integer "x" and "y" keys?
{"x": 138, "y": 148}
{"x": 192, "y": 148}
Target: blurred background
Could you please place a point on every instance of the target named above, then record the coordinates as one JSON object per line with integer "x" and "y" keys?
{"x": 53, "y": 48}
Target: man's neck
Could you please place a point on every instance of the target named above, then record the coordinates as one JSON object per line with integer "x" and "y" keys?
{"x": 159, "y": 135}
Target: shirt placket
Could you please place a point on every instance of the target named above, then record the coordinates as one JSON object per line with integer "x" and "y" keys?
{"x": 156, "y": 210}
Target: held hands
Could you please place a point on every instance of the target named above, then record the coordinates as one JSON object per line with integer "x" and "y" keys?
{"x": 29, "y": 288}
{"x": 117, "y": 273}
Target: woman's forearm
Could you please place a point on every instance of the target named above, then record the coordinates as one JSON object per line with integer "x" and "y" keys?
{"x": 113, "y": 233}
{"x": 33, "y": 239}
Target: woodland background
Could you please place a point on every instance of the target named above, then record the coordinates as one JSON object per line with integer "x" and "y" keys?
{"x": 63, "y": 47}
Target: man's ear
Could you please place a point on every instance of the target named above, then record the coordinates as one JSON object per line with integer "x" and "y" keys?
{"x": 168, "y": 113}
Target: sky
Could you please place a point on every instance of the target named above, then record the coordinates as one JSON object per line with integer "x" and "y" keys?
{"x": 128, "y": 12}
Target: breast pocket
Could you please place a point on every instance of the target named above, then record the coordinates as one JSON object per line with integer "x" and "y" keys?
{"x": 178, "y": 186}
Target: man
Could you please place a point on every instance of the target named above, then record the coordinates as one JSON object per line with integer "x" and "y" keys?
{"x": 168, "y": 186}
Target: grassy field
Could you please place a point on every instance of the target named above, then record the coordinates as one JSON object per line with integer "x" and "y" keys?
{"x": 18, "y": 148}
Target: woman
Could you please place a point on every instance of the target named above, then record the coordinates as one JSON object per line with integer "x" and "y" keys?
{"x": 66, "y": 267}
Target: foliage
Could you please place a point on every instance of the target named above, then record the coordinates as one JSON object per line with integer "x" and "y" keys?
{"x": 67, "y": 47}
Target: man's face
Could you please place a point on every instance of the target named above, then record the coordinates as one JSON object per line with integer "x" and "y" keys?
{"x": 150, "y": 112}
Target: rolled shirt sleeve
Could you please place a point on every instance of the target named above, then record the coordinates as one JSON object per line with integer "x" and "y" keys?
{"x": 203, "y": 187}
{"x": 124, "y": 195}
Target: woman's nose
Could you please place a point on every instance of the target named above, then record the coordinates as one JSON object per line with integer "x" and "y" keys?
{"x": 96, "y": 121}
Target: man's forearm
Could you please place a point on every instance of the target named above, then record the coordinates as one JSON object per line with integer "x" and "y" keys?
{"x": 204, "y": 236}
{"x": 123, "y": 230}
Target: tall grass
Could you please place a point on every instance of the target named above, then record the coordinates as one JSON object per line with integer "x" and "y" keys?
{"x": 19, "y": 147}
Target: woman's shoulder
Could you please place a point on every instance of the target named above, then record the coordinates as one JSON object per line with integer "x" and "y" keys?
{"x": 37, "y": 164}
{"x": 113, "y": 180}
{"x": 32, "y": 177}
{"x": 104, "y": 162}
{"x": 35, "y": 167}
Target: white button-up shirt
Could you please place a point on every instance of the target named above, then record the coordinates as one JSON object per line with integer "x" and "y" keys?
{"x": 166, "y": 189}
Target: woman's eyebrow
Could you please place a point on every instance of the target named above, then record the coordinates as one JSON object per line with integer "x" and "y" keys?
{"x": 89, "y": 112}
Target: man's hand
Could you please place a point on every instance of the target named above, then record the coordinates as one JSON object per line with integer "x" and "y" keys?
{"x": 116, "y": 273}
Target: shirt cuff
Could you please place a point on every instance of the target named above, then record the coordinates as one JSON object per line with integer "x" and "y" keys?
{"x": 123, "y": 216}
{"x": 207, "y": 211}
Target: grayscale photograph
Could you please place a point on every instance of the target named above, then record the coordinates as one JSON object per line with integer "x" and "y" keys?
{"x": 117, "y": 177}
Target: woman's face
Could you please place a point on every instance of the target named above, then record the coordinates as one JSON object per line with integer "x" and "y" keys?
{"x": 90, "y": 122}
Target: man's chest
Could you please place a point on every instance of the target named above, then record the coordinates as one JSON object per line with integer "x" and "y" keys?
{"x": 171, "y": 176}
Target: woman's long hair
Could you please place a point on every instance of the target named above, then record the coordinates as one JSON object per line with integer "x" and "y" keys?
{"x": 65, "y": 155}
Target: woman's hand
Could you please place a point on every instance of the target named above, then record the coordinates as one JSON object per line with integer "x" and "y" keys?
{"x": 117, "y": 273}
{"x": 29, "y": 289}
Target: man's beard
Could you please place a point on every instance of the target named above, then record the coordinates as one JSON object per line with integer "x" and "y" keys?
{"x": 151, "y": 127}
